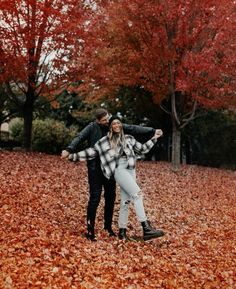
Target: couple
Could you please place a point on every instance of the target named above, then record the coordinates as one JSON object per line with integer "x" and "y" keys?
{"x": 111, "y": 158}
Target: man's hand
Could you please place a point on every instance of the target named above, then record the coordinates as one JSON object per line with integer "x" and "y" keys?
{"x": 158, "y": 133}
{"x": 64, "y": 154}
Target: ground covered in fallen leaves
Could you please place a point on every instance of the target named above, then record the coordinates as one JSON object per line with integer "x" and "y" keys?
{"x": 43, "y": 211}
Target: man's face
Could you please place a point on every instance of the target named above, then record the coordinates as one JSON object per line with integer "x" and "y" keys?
{"x": 104, "y": 120}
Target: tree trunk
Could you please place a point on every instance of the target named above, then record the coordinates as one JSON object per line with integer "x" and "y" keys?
{"x": 28, "y": 124}
{"x": 176, "y": 147}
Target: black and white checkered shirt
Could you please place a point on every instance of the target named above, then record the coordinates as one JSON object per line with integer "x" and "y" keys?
{"x": 109, "y": 158}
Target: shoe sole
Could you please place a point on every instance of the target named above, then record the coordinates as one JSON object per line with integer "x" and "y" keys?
{"x": 146, "y": 238}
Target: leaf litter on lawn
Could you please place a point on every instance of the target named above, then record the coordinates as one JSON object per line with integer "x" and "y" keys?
{"x": 43, "y": 203}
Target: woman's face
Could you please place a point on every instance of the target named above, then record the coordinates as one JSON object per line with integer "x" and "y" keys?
{"x": 116, "y": 126}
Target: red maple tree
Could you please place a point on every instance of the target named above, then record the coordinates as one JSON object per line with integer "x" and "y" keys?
{"x": 37, "y": 38}
{"x": 182, "y": 52}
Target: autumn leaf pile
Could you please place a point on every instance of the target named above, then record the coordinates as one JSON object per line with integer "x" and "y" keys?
{"x": 43, "y": 211}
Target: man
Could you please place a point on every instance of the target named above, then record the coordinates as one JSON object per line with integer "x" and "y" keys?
{"x": 97, "y": 181}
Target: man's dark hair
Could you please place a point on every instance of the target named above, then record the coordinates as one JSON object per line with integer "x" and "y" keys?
{"x": 100, "y": 113}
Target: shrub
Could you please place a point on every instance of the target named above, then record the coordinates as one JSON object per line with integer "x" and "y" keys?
{"x": 16, "y": 130}
{"x": 48, "y": 136}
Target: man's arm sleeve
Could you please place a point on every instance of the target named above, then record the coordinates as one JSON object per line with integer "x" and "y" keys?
{"x": 82, "y": 136}
{"x": 137, "y": 129}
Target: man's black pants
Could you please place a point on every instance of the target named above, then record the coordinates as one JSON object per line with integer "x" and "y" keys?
{"x": 97, "y": 182}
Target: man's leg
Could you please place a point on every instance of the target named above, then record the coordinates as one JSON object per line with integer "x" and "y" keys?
{"x": 110, "y": 197}
{"x": 95, "y": 190}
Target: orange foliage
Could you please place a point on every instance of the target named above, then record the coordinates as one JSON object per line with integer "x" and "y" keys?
{"x": 43, "y": 210}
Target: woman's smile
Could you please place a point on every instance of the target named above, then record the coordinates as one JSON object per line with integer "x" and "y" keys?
{"x": 116, "y": 126}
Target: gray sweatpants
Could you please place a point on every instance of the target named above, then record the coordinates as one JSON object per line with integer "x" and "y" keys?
{"x": 130, "y": 192}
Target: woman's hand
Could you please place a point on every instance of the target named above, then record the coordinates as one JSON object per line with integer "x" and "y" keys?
{"x": 158, "y": 133}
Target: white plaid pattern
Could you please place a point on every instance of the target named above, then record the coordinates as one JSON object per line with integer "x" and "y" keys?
{"x": 108, "y": 156}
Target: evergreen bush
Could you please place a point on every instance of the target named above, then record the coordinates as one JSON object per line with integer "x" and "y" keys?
{"x": 48, "y": 136}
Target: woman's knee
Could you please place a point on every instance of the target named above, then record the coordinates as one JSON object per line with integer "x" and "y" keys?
{"x": 124, "y": 204}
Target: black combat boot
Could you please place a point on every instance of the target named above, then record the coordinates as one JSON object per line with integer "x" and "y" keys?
{"x": 150, "y": 233}
{"x": 122, "y": 234}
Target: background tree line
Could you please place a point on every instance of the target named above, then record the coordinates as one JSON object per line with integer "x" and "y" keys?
{"x": 175, "y": 58}
{"x": 208, "y": 140}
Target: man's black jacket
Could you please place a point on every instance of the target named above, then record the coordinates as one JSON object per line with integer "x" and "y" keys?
{"x": 94, "y": 132}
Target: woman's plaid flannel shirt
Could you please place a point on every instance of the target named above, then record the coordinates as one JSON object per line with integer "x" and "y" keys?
{"x": 109, "y": 158}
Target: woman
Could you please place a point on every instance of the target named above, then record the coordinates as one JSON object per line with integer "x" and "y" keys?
{"x": 117, "y": 156}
